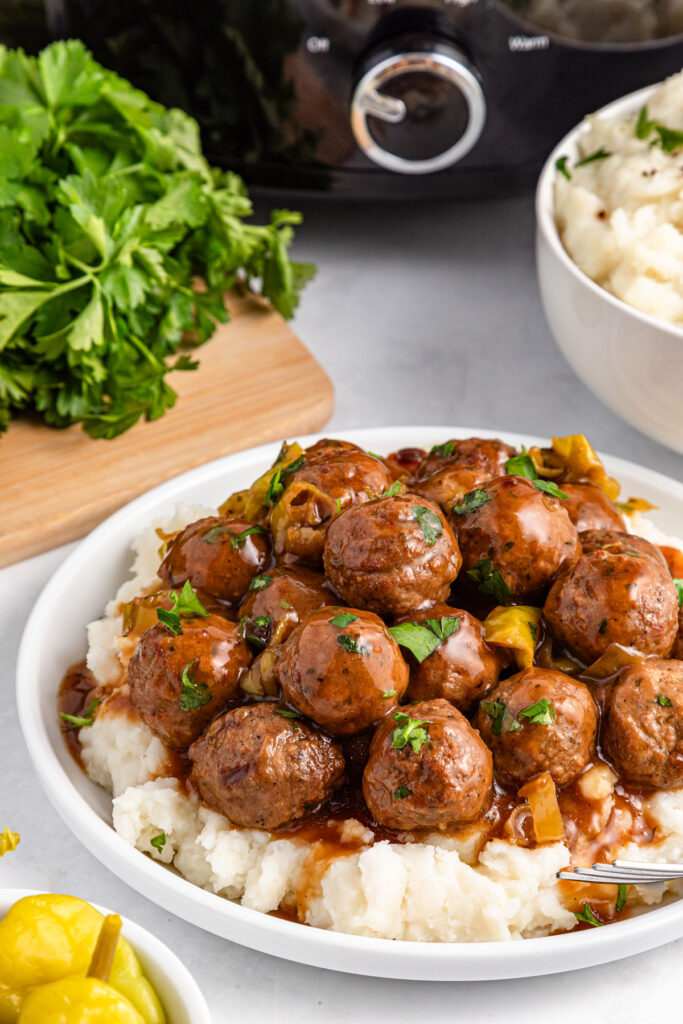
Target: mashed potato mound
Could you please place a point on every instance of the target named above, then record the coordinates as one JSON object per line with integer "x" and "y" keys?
{"x": 442, "y": 889}
{"x": 621, "y": 217}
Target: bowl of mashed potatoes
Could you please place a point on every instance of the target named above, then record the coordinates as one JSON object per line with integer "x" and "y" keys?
{"x": 609, "y": 208}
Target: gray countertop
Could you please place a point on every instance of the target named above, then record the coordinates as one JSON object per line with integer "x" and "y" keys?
{"x": 422, "y": 315}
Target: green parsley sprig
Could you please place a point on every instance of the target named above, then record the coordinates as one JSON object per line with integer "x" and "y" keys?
{"x": 194, "y": 694}
{"x": 423, "y": 638}
{"x": 184, "y": 603}
{"x": 490, "y": 581}
{"x": 430, "y": 524}
{"x": 523, "y": 465}
{"x": 109, "y": 213}
{"x": 471, "y": 502}
{"x": 409, "y": 731}
{"x": 82, "y": 721}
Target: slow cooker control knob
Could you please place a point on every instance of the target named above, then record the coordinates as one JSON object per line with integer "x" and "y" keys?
{"x": 419, "y": 108}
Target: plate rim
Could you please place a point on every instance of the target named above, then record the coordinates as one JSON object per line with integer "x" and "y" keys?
{"x": 378, "y": 957}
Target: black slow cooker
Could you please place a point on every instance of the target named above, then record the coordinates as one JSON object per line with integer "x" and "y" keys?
{"x": 381, "y": 98}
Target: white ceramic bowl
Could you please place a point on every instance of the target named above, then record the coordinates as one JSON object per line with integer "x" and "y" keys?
{"x": 55, "y": 637}
{"x": 631, "y": 361}
{"x": 178, "y": 991}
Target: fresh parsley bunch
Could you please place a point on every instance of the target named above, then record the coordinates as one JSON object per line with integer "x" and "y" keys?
{"x": 109, "y": 213}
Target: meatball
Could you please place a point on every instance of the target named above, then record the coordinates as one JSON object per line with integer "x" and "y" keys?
{"x": 428, "y": 768}
{"x": 262, "y": 768}
{"x": 449, "y": 485}
{"x": 619, "y": 591}
{"x": 643, "y": 725}
{"x": 333, "y": 476}
{"x": 343, "y": 669}
{"x": 485, "y": 456}
{"x": 462, "y": 669}
{"x": 392, "y": 555}
{"x": 589, "y": 508}
{"x": 219, "y": 556}
{"x": 209, "y": 654}
{"x": 519, "y": 531}
{"x": 536, "y": 721}
{"x": 283, "y": 597}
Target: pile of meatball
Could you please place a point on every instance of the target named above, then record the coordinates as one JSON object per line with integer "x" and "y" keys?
{"x": 351, "y": 545}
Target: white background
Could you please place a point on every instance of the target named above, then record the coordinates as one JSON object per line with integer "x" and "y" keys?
{"x": 428, "y": 314}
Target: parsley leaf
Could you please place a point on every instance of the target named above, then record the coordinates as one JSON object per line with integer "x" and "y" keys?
{"x": 389, "y": 693}
{"x": 109, "y": 212}
{"x": 588, "y": 916}
{"x": 351, "y": 645}
{"x": 158, "y": 842}
{"x": 561, "y": 166}
{"x": 540, "y": 713}
{"x": 599, "y": 154}
{"x": 490, "y": 581}
{"x": 643, "y": 125}
{"x": 663, "y": 700}
{"x": 670, "y": 139}
{"x": 343, "y": 620}
{"x": 430, "y": 524}
{"x": 622, "y": 896}
{"x": 193, "y": 694}
{"x": 393, "y": 490}
{"x": 186, "y": 603}
{"x": 422, "y": 639}
{"x": 287, "y": 713}
{"x": 238, "y": 541}
{"x": 401, "y": 793}
{"x": 471, "y": 502}
{"x": 260, "y": 582}
{"x": 257, "y": 630}
{"x": 444, "y": 450}
{"x": 81, "y": 721}
{"x": 498, "y": 711}
{"x": 678, "y": 584}
{"x": 409, "y": 731}
{"x": 280, "y": 479}
{"x": 523, "y": 465}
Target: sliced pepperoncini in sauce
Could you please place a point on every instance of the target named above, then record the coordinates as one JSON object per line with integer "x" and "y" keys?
{"x": 541, "y": 795}
{"x": 515, "y": 627}
{"x": 256, "y": 506}
{"x": 571, "y": 460}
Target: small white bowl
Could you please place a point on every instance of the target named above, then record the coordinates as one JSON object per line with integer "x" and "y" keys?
{"x": 633, "y": 362}
{"x": 177, "y": 990}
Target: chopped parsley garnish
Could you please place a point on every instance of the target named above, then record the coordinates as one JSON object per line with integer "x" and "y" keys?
{"x": 602, "y": 628}
{"x": 286, "y": 713}
{"x": 663, "y": 700}
{"x": 444, "y": 450}
{"x": 540, "y": 713}
{"x": 158, "y": 842}
{"x": 622, "y": 895}
{"x": 351, "y": 645}
{"x": 498, "y": 712}
{"x": 523, "y": 465}
{"x": 260, "y": 582}
{"x": 343, "y": 620}
{"x": 389, "y": 693}
{"x": 430, "y": 524}
{"x": 670, "y": 139}
{"x": 401, "y": 793}
{"x": 257, "y": 630}
{"x": 285, "y": 605}
{"x": 490, "y": 581}
{"x": 533, "y": 629}
{"x": 393, "y": 490}
{"x": 186, "y": 603}
{"x": 212, "y": 535}
{"x": 81, "y": 721}
{"x": 471, "y": 502}
{"x": 239, "y": 541}
{"x": 193, "y": 694}
{"x": 678, "y": 584}
{"x": 423, "y": 638}
{"x": 374, "y": 455}
{"x": 409, "y": 731}
{"x": 599, "y": 154}
{"x": 279, "y": 481}
{"x": 561, "y": 166}
{"x": 339, "y": 508}
{"x": 588, "y": 916}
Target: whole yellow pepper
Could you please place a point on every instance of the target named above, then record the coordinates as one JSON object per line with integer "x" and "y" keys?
{"x": 45, "y": 938}
{"x": 77, "y": 1000}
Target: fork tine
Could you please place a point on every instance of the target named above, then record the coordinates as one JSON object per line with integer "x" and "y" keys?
{"x": 635, "y": 865}
{"x": 610, "y": 874}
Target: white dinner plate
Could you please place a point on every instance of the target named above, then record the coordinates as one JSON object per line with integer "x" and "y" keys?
{"x": 55, "y": 637}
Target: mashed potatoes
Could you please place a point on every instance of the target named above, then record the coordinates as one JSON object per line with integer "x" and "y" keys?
{"x": 447, "y": 889}
{"x": 620, "y": 216}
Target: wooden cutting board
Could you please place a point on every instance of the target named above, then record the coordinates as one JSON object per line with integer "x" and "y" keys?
{"x": 256, "y": 383}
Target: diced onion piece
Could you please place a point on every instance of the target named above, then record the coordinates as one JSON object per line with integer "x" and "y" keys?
{"x": 612, "y": 661}
{"x": 515, "y": 628}
{"x": 541, "y": 796}
{"x": 254, "y": 506}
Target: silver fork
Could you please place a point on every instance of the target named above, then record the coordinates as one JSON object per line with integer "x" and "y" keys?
{"x": 625, "y": 872}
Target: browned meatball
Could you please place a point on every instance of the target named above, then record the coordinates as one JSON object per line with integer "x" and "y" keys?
{"x": 343, "y": 669}
{"x": 392, "y": 555}
{"x": 589, "y": 508}
{"x": 518, "y": 531}
{"x": 643, "y": 726}
{"x": 428, "y": 768}
{"x": 215, "y": 658}
{"x": 485, "y": 456}
{"x": 619, "y": 591}
{"x": 219, "y": 556}
{"x": 262, "y": 768}
{"x": 333, "y": 476}
{"x": 282, "y": 598}
{"x": 462, "y": 669}
{"x": 449, "y": 485}
{"x": 539, "y": 721}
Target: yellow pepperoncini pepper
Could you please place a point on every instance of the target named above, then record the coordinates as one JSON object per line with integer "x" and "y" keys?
{"x": 256, "y": 504}
{"x": 572, "y": 459}
{"x": 541, "y": 795}
{"x": 44, "y": 939}
{"x": 76, "y": 1000}
{"x": 8, "y": 841}
{"x": 515, "y": 627}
